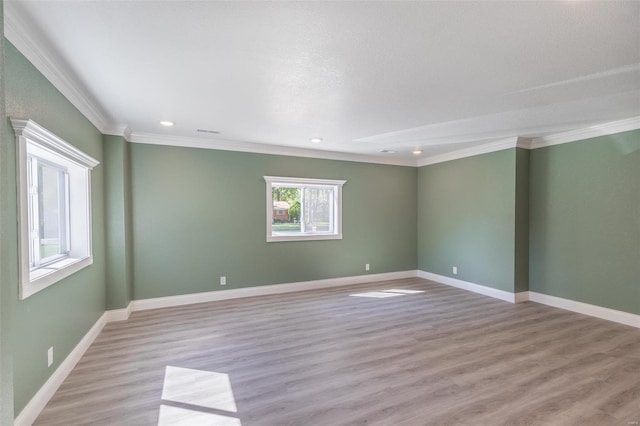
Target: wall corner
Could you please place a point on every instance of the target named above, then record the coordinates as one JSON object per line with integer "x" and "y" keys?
{"x": 521, "y": 243}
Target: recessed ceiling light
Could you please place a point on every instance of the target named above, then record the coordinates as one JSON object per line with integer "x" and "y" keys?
{"x": 388, "y": 151}
{"x": 417, "y": 151}
{"x": 316, "y": 140}
{"x": 167, "y": 123}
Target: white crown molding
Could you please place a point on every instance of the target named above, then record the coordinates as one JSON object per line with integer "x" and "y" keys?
{"x": 229, "y": 145}
{"x": 511, "y": 142}
{"x": 127, "y": 134}
{"x": 587, "y": 133}
{"x": 470, "y": 152}
{"x": 540, "y": 142}
{"x": 30, "y": 44}
{"x": 33, "y": 46}
{"x": 524, "y": 143}
{"x": 123, "y": 131}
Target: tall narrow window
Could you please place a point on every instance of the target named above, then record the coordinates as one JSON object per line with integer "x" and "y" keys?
{"x": 54, "y": 200}
{"x": 303, "y": 209}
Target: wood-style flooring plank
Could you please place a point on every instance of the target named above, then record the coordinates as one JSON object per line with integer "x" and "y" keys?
{"x": 440, "y": 357}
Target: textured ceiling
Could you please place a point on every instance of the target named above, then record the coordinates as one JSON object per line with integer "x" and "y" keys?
{"x": 364, "y": 76}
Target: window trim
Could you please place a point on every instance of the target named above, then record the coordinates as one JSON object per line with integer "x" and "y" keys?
{"x": 26, "y": 132}
{"x": 35, "y": 205}
{"x": 336, "y": 235}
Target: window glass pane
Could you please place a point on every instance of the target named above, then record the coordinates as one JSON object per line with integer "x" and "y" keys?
{"x": 286, "y": 210}
{"x": 299, "y": 209}
{"x": 317, "y": 209}
{"x": 51, "y": 197}
{"x": 32, "y": 212}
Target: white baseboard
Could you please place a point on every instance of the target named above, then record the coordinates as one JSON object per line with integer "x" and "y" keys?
{"x": 524, "y": 296}
{"x": 586, "y": 309}
{"x": 114, "y": 315}
{"x": 476, "y": 288}
{"x": 33, "y": 409}
{"x": 521, "y": 296}
{"x": 212, "y": 296}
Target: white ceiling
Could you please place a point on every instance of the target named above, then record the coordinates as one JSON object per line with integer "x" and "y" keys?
{"x": 364, "y": 76}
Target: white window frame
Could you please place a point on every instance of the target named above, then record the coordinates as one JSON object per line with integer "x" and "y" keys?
{"x": 33, "y": 140}
{"x": 336, "y": 185}
{"x": 34, "y": 164}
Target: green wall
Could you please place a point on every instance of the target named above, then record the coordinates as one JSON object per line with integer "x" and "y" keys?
{"x": 585, "y": 221}
{"x": 62, "y": 314}
{"x": 562, "y": 220}
{"x": 200, "y": 214}
{"x": 119, "y": 273}
{"x": 466, "y": 218}
{"x": 521, "y": 259}
{"x": 6, "y": 305}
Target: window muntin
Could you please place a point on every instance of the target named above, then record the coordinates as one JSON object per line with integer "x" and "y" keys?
{"x": 54, "y": 202}
{"x": 303, "y": 209}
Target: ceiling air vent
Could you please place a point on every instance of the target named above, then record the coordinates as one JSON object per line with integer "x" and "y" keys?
{"x": 214, "y": 132}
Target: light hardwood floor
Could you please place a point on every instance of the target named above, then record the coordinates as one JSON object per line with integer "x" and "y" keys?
{"x": 440, "y": 357}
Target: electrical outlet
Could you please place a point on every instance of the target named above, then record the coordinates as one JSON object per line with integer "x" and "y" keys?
{"x": 223, "y": 280}
{"x": 50, "y": 356}
{"x": 455, "y": 270}
{"x": 367, "y": 267}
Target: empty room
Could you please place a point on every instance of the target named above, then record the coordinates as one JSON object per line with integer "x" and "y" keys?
{"x": 239, "y": 213}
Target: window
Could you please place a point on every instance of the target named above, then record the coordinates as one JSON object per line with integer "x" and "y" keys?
{"x": 303, "y": 209}
{"x": 48, "y": 210}
{"x": 54, "y": 202}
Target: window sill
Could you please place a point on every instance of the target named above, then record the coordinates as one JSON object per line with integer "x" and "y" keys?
{"x": 47, "y": 275}
{"x": 303, "y": 237}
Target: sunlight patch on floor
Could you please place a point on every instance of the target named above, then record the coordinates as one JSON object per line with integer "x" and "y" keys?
{"x": 175, "y": 416}
{"x": 197, "y": 387}
{"x": 202, "y": 391}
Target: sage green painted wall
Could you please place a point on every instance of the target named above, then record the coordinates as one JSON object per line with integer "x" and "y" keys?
{"x": 63, "y": 313}
{"x": 178, "y": 218}
{"x": 585, "y": 221}
{"x": 119, "y": 273}
{"x": 522, "y": 221}
{"x": 6, "y": 304}
{"x": 200, "y": 214}
{"x": 466, "y": 218}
